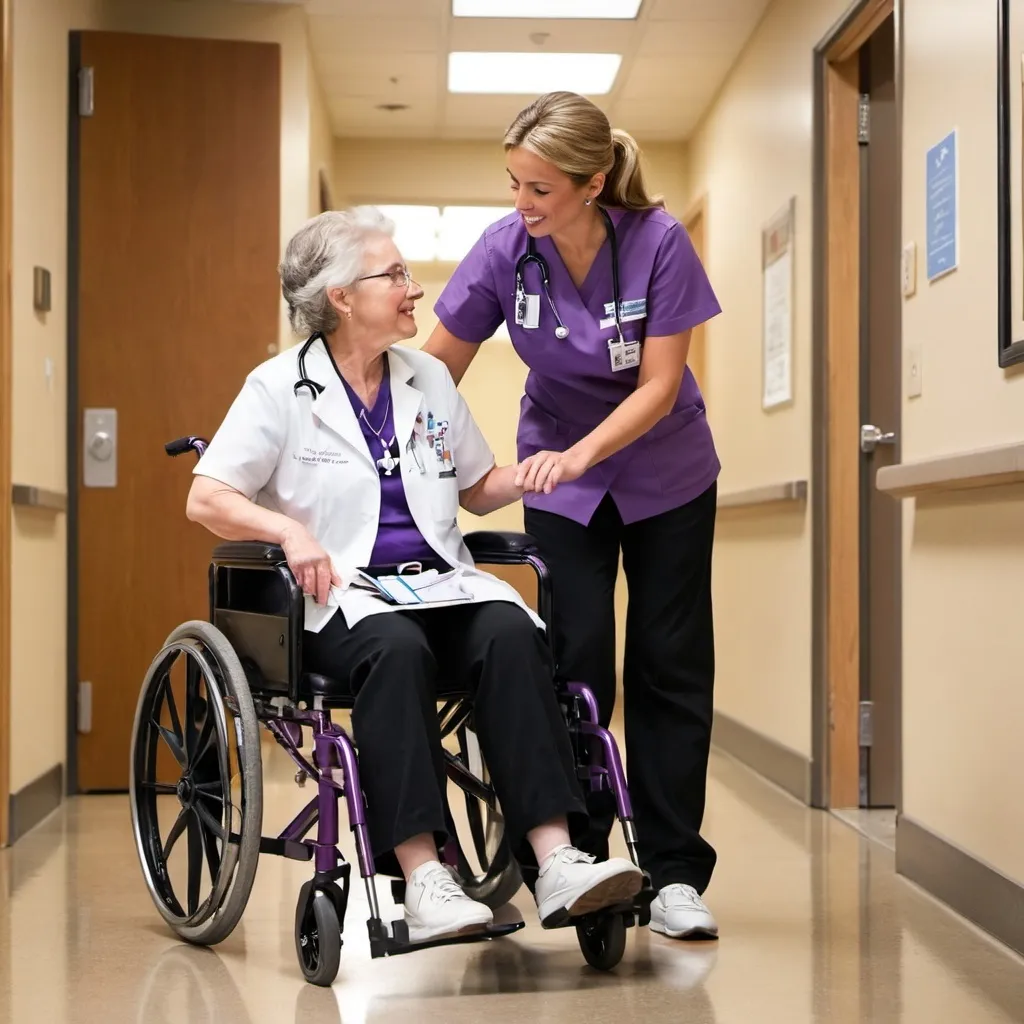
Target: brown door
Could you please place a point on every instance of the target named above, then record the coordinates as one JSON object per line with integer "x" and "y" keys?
{"x": 174, "y": 225}
{"x": 881, "y": 369}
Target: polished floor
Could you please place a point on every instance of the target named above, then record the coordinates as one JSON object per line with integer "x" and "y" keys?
{"x": 816, "y": 927}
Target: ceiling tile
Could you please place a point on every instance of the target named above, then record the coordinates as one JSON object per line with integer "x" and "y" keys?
{"x": 677, "y": 39}
{"x": 344, "y": 35}
{"x": 693, "y": 10}
{"x": 556, "y": 36}
{"x": 389, "y": 9}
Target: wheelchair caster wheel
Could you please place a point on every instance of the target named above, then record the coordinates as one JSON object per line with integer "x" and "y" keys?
{"x": 318, "y": 941}
{"x": 602, "y": 940}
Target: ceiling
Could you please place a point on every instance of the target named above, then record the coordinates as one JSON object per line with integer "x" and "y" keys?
{"x": 675, "y": 56}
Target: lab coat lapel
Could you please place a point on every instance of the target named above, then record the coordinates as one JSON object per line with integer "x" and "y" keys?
{"x": 406, "y": 399}
{"x": 333, "y": 407}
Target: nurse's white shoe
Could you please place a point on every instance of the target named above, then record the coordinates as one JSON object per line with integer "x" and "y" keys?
{"x": 680, "y": 913}
{"x": 436, "y": 907}
{"x": 571, "y": 884}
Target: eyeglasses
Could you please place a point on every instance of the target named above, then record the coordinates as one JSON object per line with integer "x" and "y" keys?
{"x": 400, "y": 277}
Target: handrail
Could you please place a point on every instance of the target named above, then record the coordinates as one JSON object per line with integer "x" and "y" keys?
{"x": 969, "y": 470}
{"x": 30, "y": 496}
{"x": 792, "y": 492}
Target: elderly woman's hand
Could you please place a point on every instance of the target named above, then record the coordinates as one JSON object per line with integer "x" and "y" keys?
{"x": 309, "y": 563}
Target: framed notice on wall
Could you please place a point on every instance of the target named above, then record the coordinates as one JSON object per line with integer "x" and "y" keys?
{"x": 777, "y": 309}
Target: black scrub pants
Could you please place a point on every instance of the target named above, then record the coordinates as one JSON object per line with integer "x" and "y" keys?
{"x": 669, "y": 671}
{"x": 393, "y": 662}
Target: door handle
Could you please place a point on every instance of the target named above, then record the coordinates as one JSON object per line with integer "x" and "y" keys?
{"x": 871, "y": 437}
{"x": 99, "y": 455}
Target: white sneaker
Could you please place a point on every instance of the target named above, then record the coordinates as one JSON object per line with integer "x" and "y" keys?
{"x": 436, "y": 907}
{"x": 571, "y": 884}
{"x": 680, "y": 913}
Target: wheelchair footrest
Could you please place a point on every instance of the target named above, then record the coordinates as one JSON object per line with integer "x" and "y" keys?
{"x": 382, "y": 944}
{"x": 286, "y": 848}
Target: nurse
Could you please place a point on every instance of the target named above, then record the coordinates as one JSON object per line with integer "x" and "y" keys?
{"x": 600, "y": 289}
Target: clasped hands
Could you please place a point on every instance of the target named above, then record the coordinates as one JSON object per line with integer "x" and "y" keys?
{"x": 543, "y": 472}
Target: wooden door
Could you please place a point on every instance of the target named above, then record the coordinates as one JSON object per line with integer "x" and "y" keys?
{"x": 174, "y": 225}
{"x": 881, "y": 366}
{"x": 6, "y": 391}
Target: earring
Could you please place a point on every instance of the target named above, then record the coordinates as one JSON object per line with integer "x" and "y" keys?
{"x": 586, "y": 202}
{"x": 348, "y": 314}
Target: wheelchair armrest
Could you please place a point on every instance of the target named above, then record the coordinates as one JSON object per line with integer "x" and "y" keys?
{"x": 501, "y": 547}
{"x": 248, "y": 552}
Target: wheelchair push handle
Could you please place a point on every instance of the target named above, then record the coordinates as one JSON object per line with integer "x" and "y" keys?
{"x": 184, "y": 445}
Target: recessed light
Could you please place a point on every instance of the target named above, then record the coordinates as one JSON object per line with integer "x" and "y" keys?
{"x": 591, "y": 74}
{"x": 594, "y": 10}
{"x": 392, "y": 107}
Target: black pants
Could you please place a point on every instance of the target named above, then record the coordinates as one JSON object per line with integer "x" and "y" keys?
{"x": 669, "y": 671}
{"x": 393, "y": 663}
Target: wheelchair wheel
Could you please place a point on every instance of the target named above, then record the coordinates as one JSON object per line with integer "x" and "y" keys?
{"x": 196, "y": 766}
{"x": 318, "y": 941}
{"x": 495, "y": 877}
{"x": 603, "y": 940}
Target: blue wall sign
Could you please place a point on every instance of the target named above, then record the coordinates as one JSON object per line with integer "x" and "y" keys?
{"x": 941, "y": 200}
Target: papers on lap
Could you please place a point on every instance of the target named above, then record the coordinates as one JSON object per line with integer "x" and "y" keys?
{"x": 430, "y": 587}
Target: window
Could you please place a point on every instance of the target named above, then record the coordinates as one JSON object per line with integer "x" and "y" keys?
{"x": 445, "y": 233}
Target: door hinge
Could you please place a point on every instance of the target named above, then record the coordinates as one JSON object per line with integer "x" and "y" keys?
{"x": 866, "y": 729}
{"x": 864, "y": 119}
{"x": 85, "y": 92}
{"x": 85, "y": 707}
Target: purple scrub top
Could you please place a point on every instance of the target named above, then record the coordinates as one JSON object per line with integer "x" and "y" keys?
{"x": 398, "y": 537}
{"x": 571, "y": 386}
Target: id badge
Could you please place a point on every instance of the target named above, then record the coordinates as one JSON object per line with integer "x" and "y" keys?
{"x": 527, "y": 310}
{"x": 624, "y": 355}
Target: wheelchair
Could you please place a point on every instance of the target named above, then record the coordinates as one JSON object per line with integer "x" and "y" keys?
{"x": 242, "y": 669}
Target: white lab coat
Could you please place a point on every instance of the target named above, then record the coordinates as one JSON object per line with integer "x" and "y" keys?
{"x": 309, "y": 460}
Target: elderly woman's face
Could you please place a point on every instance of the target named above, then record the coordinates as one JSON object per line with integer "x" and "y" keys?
{"x": 382, "y": 302}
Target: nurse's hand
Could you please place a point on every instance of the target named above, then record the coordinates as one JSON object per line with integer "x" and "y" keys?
{"x": 543, "y": 472}
{"x": 309, "y": 563}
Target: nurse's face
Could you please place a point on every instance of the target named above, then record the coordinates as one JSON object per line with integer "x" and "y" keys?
{"x": 547, "y": 199}
{"x": 383, "y": 306}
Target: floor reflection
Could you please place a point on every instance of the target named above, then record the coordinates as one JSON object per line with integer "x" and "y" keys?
{"x": 816, "y": 928}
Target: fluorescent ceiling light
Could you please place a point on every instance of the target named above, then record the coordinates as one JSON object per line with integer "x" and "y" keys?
{"x": 590, "y": 9}
{"x": 591, "y": 74}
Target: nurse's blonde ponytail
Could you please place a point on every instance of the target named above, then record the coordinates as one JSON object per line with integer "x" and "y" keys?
{"x": 572, "y": 133}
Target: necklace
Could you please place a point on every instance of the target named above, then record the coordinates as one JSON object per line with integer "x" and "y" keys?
{"x": 388, "y": 462}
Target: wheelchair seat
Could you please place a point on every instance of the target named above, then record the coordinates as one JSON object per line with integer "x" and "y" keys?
{"x": 336, "y": 695}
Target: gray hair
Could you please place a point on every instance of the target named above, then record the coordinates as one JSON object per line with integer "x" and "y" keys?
{"x": 326, "y": 252}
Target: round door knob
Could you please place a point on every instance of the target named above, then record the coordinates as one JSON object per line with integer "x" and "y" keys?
{"x": 101, "y": 446}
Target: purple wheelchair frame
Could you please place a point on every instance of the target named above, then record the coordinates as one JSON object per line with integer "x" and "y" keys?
{"x": 336, "y": 767}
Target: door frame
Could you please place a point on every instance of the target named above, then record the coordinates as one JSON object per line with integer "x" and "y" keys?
{"x": 74, "y": 136}
{"x": 835, "y": 697}
{"x": 6, "y": 396}
{"x": 697, "y": 214}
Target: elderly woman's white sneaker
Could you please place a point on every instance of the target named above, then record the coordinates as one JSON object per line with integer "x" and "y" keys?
{"x": 680, "y": 913}
{"x": 436, "y": 907}
{"x": 571, "y": 884}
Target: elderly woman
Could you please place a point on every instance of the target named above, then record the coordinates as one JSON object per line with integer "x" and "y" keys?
{"x": 354, "y": 456}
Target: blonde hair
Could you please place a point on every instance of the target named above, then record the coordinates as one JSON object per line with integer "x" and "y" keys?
{"x": 572, "y": 133}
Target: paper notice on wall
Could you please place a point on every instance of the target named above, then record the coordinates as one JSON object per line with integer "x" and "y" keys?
{"x": 778, "y": 331}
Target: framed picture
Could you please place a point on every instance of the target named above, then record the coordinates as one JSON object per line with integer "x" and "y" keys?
{"x": 777, "y": 308}
{"x": 1010, "y": 184}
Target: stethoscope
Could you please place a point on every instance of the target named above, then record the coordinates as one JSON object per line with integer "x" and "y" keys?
{"x": 315, "y": 390}
{"x": 532, "y": 256}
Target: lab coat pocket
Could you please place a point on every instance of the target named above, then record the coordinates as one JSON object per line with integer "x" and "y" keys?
{"x": 444, "y": 498}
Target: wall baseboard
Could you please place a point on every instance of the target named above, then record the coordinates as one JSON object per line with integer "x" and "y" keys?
{"x": 969, "y": 886}
{"x": 777, "y": 763}
{"x": 35, "y": 801}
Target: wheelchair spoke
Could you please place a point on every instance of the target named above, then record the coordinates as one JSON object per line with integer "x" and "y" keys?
{"x": 212, "y": 853}
{"x": 211, "y": 790}
{"x": 192, "y": 675}
{"x": 172, "y": 741}
{"x": 168, "y": 788}
{"x": 175, "y": 834}
{"x": 195, "y": 861}
{"x": 207, "y": 737}
{"x": 209, "y": 821}
{"x": 172, "y": 709}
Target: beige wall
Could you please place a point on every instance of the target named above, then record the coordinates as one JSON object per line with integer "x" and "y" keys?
{"x": 40, "y": 32}
{"x": 750, "y": 155}
{"x": 963, "y": 559}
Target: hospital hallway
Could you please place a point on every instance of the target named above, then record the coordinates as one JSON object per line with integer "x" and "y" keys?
{"x": 816, "y": 927}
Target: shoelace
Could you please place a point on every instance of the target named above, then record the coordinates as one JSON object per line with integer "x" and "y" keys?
{"x": 682, "y": 895}
{"x": 443, "y": 887}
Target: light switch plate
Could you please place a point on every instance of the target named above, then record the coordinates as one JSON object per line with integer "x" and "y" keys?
{"x": 915, "y": 371}
{"x": 908, "y": 269}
